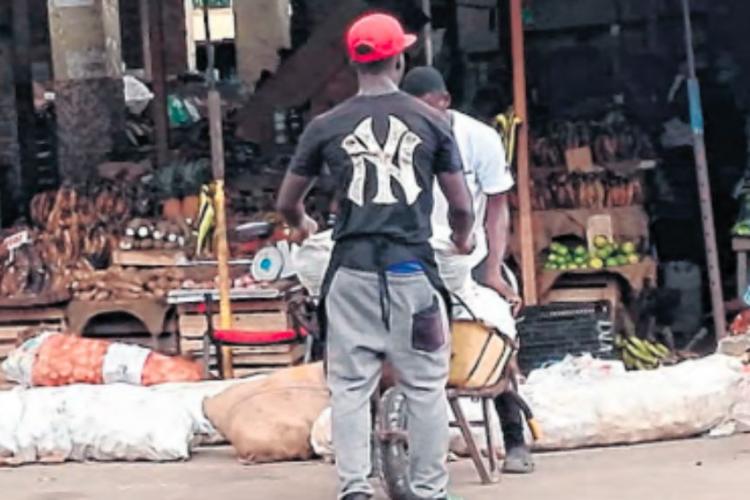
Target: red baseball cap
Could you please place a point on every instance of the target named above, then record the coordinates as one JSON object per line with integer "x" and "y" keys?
{"x": 374, "y": 37}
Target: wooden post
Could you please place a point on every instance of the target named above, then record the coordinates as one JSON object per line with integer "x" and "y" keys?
{"x": 158, "y": 71}
{"x": 525, "y": 224}
{"x": 704, "y": 184}
{"x": 217, "y": 164}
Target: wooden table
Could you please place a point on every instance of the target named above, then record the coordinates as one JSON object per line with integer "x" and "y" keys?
{"x": 20, "y": 314}
{"x": 151, "y": 312}
{"x": 260, "y": 309}
{"x": 741, "y": 247}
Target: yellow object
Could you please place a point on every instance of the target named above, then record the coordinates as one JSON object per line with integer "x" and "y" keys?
{"x": 507, "y": 124}
{"x": 536, "y": 429}
{"x": 601, "y": 241}
{"x": 206, "y": 219}
{"x": 596, "y": 263}
{"x": 479, "y": 355}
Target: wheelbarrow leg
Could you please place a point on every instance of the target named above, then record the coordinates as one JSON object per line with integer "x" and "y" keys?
{"x": 487, "y": 409}
{"x": 476, "y": 454}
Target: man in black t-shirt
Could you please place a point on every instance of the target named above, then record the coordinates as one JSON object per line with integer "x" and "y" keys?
{"x": 382, "y": 296}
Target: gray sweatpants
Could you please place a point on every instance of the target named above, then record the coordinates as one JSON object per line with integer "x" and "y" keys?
{"x": 417, "y": 345}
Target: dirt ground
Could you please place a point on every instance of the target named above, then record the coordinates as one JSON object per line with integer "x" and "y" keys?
{"x": 687, "y": 470}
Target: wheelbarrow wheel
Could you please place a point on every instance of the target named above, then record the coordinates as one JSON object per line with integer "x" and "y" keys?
{"x": 393, "y": 446}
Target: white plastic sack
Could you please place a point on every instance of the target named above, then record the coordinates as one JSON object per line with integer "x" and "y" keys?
{"x": 740, "y": 415}
{"x": 600, "y": 405}
{"x": 11, "y": 409}
{"x": 109, "y": 422}
{"x": 191, "y": 397}
{"x": 321, "y": 437}
{"x": 310, "y": 261}
{"x": 137, "y": 95}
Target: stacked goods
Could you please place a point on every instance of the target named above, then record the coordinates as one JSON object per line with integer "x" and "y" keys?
{"x": 244, "y": 282}
{"x": 642, "y": 354}
{"x": 146, "y": 234}
{"x": 605, "y": 253}
{"x": 178, "y": 187}
{"x": 595, "y": 190}
{"x": 55, "y": 359}
{"x": 75, "y": 226}
{"x": 118, "y": 283}
{"x": 66, "y": 360}
{"x": 73, "y": 229}
{"x": 742, "y": 227}
{"x": 26, "y": 273}
{"x": 611, "y": 140}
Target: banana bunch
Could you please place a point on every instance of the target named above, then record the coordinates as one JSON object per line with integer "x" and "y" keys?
{"x": 638, "y": 354}
{"x": 507, "y": 124}
{"x": 206, "y": 219}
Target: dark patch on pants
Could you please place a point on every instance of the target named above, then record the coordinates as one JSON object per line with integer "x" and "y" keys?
{"x": 428, "y": 334}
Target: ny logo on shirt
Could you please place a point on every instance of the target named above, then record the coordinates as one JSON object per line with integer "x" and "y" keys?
{"x": 362, "y": 147}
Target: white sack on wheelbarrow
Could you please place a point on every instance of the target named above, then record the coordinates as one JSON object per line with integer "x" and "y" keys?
{"x": 579, "y": 404}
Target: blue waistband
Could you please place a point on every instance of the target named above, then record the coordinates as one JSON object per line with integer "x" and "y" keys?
{"x": 407, "y": 267}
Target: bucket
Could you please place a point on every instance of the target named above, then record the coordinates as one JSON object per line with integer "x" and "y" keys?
{"x": 479, "y": 355}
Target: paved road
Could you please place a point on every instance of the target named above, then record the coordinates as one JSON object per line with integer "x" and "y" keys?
{"x": 687, "y": 470}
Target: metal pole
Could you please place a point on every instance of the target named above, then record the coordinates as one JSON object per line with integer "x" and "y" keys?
{"x": 704, "y": 184}
{"x": 217, "y": 164}
{"x": 525, "y": 224}
{"x": 427, "y": 33}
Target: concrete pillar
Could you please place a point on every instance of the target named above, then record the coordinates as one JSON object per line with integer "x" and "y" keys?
{"x": 262, "y": 29}
{"x": 87, "y": 62}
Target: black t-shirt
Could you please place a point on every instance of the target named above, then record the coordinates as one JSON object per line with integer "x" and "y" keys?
{"x": 383, "y": 153}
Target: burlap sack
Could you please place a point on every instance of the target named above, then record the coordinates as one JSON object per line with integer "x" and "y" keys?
{"x": 270, "y": 420}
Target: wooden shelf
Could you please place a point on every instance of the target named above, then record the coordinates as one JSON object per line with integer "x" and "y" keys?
{"x": 628, "y": 222}
{"x": 634, "y": 274}
{"x": 149, "y": 258}
{"x": 638, "y": 208}
{"x": 622, "y": 168}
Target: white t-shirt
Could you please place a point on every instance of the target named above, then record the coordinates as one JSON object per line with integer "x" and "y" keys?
{"x": 486, "y": 173}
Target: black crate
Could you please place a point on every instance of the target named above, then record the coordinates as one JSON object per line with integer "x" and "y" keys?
{"x": 550, "y": 332}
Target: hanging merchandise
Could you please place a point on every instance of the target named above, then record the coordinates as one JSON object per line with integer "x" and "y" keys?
{"x": 589, "y": 190}
{"x": 137, "y": 95}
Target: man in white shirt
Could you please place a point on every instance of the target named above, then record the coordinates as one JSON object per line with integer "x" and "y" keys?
{"x": 490, "y": 297}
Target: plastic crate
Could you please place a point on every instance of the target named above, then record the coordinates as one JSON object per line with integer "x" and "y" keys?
{"x": 550, "y": 332}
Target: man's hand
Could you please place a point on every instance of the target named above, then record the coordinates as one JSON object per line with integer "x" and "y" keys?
{"x": 494, "y": 280}
{"x": 466, "y": 246}
{"x": 306, "y": 228}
